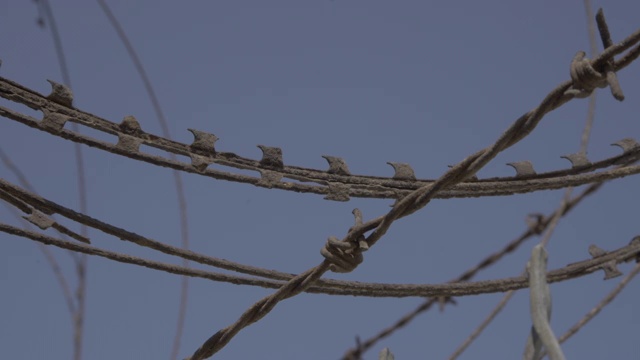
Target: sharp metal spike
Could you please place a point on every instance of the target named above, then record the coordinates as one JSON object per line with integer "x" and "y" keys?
{"x": 403, "y": 171}
{"x": 610, "y": 268}
{"x": 203, "y": 142}
{"x": 128, "y": 143}
{"x": 130, "y": 125}
{"x": 361, "y": 240}
{"x": 54, "y": 121}
{"x": 357, "y": 214}
{"x": 523, "y": 168}
{"x": 269, "y": 178}
{"x": 627, "y": 144}
{"x": 584, "y": 76}
{"x": 200, "y": 162}
{"x": 577, "y": 160}
{"x": 443, "y": 300}
{"x": 39, "y": 219}
{"x": 337, "y": 165}
{"x": 338, "y": 192}
{"x": 44, "y": 222}
{"x": 608, "y": 67}
{"x": 271, "y": 156}
{"x": 60, "y": 94}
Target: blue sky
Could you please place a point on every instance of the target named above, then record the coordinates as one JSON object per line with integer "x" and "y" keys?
{"x": 426, "y": 83}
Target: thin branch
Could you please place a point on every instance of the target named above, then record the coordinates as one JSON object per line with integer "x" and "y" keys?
{"x": 564, "y": 207}
{"x": 601, "y": 305}
{"x": 604, "y": 302}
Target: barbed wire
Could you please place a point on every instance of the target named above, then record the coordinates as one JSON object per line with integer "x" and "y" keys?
{"x": 584, "y": 80}
{"x": 332, "y": 287}
{"x": 338, "y": 184}
{"x": 335, "y": 287}
{"x": 340, "y": 189}
{"x": 537, "y": 223}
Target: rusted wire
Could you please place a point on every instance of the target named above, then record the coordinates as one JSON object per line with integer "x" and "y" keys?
{"x": 57, "y": 111}
{"x": 333, "y": 184}
{"x": 403, "y": 207}
{"x": 352, "y": 288}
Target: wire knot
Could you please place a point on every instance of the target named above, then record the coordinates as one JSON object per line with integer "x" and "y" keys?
{"x": 343, "y": 256}
{"x": 584, "y": 76}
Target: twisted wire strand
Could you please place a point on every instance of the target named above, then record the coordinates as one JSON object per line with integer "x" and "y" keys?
{"x": 406, "y": 206}
{"x": 586, "y": 77}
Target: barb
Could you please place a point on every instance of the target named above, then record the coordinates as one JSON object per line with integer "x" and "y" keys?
{"x": 53, "y": 263}
{"x": 591, "y": 107}
{"x": 611, "y": 77}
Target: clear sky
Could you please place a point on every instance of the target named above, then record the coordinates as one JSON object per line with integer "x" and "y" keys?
{"x": 426, "y": 83}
